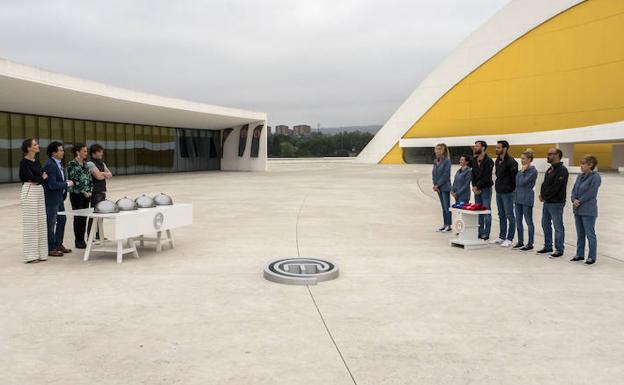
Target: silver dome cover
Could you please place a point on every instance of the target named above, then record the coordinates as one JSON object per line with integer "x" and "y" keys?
{"x": 144, "y": 202}
{"x": 163, "y": 200}
{"x": 106, "y": 207}
{"x": 126, "y": 204}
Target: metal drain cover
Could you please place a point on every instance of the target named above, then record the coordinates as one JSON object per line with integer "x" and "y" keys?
{"x": 300, "y": 271}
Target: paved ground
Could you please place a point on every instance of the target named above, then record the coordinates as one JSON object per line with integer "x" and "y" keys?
{"x": 407, "y": 309}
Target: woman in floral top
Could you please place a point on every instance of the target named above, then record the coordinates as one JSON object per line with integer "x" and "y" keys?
{"x": 80, "y": 192}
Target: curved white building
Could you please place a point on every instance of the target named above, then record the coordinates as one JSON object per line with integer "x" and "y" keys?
{"x": 538, "y": 74}
{"x": 141, "y": 133}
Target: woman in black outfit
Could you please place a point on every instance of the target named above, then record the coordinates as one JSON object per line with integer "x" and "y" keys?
{"x": 34, "y": 227}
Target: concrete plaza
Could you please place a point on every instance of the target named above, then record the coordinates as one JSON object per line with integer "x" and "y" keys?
{"x": 407, "y": 308}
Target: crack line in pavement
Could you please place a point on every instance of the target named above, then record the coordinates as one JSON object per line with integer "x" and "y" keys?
{"x": 331, "y": 337}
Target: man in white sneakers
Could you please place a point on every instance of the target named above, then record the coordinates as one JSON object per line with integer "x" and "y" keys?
{"x": 505, "y": 185}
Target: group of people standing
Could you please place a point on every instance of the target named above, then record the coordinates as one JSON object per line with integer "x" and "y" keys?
{"x": 44, "y": 190}
{"x": 514, "y": 186}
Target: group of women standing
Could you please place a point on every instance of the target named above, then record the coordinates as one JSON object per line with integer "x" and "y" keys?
{"x": 583, "y": 197}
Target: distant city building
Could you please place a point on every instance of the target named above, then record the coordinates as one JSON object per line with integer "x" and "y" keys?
{"x": 268, "y": 130}
{"x": 302, "y": 130}
{"x": 282, "y": 130}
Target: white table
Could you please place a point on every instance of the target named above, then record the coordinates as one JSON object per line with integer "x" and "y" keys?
{"x": 125, "y": 226}
{"x": 467, "y": 225}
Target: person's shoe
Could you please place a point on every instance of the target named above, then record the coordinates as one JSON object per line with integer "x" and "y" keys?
{"x": 55, "y": 253}
{"x": 556, "y": 254}
{"x": 81, "y": 245}
{"x": 63, "y": 249}
{"x": 441, "y": 229}
{"x": 484, "y": 237}
{"x": 447, "y": 229}
{"x": 590, "y": 261}
{"x": 576, "y": 259}
{"x": 518, "y": 245}
{"x": 33, "y": 261}
{"x": 506, "y": 243}
{"x": 496, "y": 241}
{"x": 527, "y": 248}
{"x": 545, "y": 251}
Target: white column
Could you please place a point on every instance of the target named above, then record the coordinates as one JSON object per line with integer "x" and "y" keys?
{"x": 617, "y": 157}
{"x": 568, "y": 152}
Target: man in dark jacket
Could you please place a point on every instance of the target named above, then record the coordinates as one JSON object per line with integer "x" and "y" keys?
{"x": 55, "y": 190}
{"x": 553, "y": 194}
{"x": 482, "y": 166}
{"x": 506, "y": 170}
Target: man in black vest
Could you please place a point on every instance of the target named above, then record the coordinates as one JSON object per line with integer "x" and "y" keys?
{"x": 99, "y": 174}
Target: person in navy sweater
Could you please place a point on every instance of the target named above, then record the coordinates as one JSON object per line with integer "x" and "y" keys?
{"x": 441, "y": 177}
{"x": 525, "y": 200}
{"x": 585, "y": 207}
{"x": 461, "y": 184}
{"x": 55, "y": 190}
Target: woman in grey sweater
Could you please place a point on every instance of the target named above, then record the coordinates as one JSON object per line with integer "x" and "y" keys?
{"x": 441, "y": 177}
{"x": 525, "y": 198}
{"x": 585, "y": 207}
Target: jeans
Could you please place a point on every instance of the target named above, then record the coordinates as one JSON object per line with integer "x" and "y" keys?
{"x": 445, "y": 202}
{"x": 485, "y": 220}
{"x": 526, "y": 212}
{"x": 505, "y": 204}
{"x": 552, "y": 215}
{"x": 79, "y": 201}
{"x": 56, "y": 225}
{"x": 585, "y": 228}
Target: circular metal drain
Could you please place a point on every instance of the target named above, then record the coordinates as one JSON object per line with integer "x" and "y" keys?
{"x": 300, "y": 271}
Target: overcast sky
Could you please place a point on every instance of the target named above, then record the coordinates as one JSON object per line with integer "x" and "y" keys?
{"x": 333, "y": 62}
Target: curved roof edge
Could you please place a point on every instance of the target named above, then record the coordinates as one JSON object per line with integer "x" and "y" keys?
{"x": 33, "y": 90}
{"x": 507, "y": 25}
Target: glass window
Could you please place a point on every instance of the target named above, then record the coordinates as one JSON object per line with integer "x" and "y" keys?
{"x": 17, "y": 137}
{"x": 43, "y": 133}
{"x": 5, "y": 148}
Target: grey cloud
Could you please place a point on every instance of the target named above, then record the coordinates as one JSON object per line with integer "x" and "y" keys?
{"x": 341, "y": 62}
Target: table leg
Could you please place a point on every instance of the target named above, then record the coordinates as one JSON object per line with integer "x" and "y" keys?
{"x": 119, "y": 251}
{"x": 132, "y": 244}
{"x": 158, "y": 241}
{"x": 170, "y": 236}
{"x": 90, "y": 238}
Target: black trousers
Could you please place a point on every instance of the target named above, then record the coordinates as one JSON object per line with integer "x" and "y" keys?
{"x": 96, "y": 197}
{"x": 79, "y": 201}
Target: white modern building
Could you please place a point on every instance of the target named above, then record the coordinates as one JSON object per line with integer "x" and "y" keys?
{"x": 141, "y": 133}
{"x": 538, "y": 74}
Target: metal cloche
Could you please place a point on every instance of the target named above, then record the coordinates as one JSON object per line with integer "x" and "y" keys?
{"x": 144, "y": 202}
{"x": 106, "y": 207}
{"x": 126, "y": 204}
{"x": 163, "y": 200}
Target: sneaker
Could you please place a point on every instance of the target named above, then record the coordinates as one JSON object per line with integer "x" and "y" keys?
{"x": 527, "y": 248}
{"x": 545, "y": 251}
{"x": 518, "y": 246}
{"x": 590, "y": 261}
{"x": 576, "y": 259}
{"x": 496, "y": 241}
{"x": 441, "y": 229}
{"x": 506, "y": 243}
{"x": 447, "y": 229}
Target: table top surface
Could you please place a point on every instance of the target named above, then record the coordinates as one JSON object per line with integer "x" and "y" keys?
{"x": 473, "y": 212}
{"x": 90, "y": 213}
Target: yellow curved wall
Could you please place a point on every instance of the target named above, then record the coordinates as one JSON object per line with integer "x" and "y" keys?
{"x": 566, "y": 73}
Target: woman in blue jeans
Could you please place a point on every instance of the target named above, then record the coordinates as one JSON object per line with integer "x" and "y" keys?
{"x": 441, "y": 178}
{"x": 461, "y": 184}
{"x": 525, "y": 198}
{"x": 585, "y": 207}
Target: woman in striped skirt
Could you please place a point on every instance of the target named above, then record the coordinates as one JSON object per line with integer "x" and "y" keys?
{"x": 34, "y": 228}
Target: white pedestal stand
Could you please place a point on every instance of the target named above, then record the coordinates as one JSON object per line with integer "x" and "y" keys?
{"x": 468, "y": 228}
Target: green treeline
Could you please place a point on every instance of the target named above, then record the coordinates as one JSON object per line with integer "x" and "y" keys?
{"x": 318, "y": 144}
